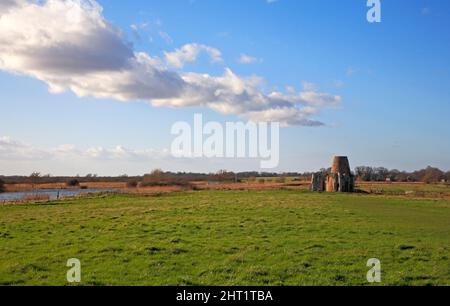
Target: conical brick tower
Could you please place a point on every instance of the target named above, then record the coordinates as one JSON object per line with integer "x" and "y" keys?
{"x": 341, "y": 165}
{"x": 341, "y": 178}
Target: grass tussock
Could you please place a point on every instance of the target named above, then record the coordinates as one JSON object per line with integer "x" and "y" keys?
{"x": 36, "y": 198}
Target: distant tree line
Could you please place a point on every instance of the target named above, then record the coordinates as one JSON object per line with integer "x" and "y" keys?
{"x": 381, "y": 174}
{"x": 155, "y": 175}
{"x": 362, "y": 173}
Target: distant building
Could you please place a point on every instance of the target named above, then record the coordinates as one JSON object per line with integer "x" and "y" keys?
{"x": 340, "y": 179}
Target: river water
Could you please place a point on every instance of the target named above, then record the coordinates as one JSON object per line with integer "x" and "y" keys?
{"x": 52, "y": 193}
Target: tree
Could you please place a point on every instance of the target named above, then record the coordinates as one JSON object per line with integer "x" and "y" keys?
{"x": 34, "y": 178}
{"x": 158, "y": 178}
{"x": 364, "y": 173}
{"x": 132, "y": 184}
{"x": 381, "y": 174}
{"x": 156, "y": 175}
{"x": 226, "y": 176}
{"x": 429, "y": 175}
{"x": 73, "y": 183}
{"x": 2, "y": 186}
{"x": 394, "y": 175}
{"x": 447, "y": 176}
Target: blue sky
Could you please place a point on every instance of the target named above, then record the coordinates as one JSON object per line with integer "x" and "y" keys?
{"x": 393, "y": 79}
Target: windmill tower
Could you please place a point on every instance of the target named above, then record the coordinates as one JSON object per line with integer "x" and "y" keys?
{"x": 340, "y": 179}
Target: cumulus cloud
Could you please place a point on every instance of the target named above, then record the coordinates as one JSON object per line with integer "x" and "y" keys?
{"x": 189, "y": 53}
{"x": 232, "y": 94}
{"x": 69, "y": 45}
{"x": 247, "y": 59}
{"x": 308, "y": 86}
{"x": 11, "y": 149}
{"x": 8, "y": 4}
{"x": 14, "y": 150}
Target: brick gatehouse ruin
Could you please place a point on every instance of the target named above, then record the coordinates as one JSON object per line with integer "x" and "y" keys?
{"x": 340, "y": 179}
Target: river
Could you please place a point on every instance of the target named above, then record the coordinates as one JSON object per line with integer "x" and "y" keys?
{"x": 54, "y": 194}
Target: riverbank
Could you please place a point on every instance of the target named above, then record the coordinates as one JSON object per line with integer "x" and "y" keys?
{"x": 28, "y": 187}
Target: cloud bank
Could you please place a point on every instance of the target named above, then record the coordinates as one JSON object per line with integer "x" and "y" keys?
{"x": 14, "y": 150}
{"x": 70, "y": 46}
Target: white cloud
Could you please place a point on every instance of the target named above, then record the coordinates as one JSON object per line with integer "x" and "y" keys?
{"x": 247, "y": 59}
{"x": 11, "y": 149}
{"x": 14, "y": 150}
{"x": 291, "y": 89}
{"x": 189, "y": 53}
{"x": 8, "y": 4}
{"x": 69, "y": 45}
{"x": 232, "y": 94}
{"x": 166, "y": 37}
{"x": 351, "y": 71}
{"x": 308, "y": 86}
{"x": 338, "y": 83}
{"x": 287, "y": 115}
{"x": 86, "y": 55}
{"x": 17, "y": 158}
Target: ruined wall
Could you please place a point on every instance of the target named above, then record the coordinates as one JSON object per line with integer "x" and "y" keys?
{"x": 339, "y": 180}
{"x": 318, "y": 182}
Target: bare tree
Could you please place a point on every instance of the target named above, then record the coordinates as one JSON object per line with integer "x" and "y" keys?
{"x": 34, "y": 178}
{"x": 447, "y": 176}
{"x": 430, "y": 175}
{"x": 364, "y": 173}
{"x": 226, "y": 176}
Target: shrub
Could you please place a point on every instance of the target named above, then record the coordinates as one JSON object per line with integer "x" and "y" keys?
{"x": 262, "y": 181}
{"x": 132, "y": 184}
{"x": 36, "y": 198}
{"x": 160, "y": 178}
{"x": 281, "y": 180}
{"x": 73, "y": 183}
{"x": 225, "y": 176}
{"x": 2, "y": 186}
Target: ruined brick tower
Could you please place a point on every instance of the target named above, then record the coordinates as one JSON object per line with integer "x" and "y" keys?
{"x": 340, "y": 179}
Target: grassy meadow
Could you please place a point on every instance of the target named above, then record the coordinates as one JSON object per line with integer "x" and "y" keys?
{"x": 281, "y": 237}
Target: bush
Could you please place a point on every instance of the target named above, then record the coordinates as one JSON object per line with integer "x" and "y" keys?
{"x": 36, "y": 198}
{"x": 158, "y": 178}
{"x": 262, "y": 181}
{"x": 225, "y": 176}
{"x": 73, "y": 183}
{"x": 132, "y": 184}
{"x": 281, "y": 180}
{"x": 2, "y": 186}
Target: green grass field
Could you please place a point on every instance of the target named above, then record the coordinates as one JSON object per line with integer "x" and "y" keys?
{"x": 425, "y": 189}
{"x": 228, "y": 238}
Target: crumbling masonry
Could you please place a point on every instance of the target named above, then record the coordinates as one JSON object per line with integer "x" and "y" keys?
{"x": 340, "y": 179}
